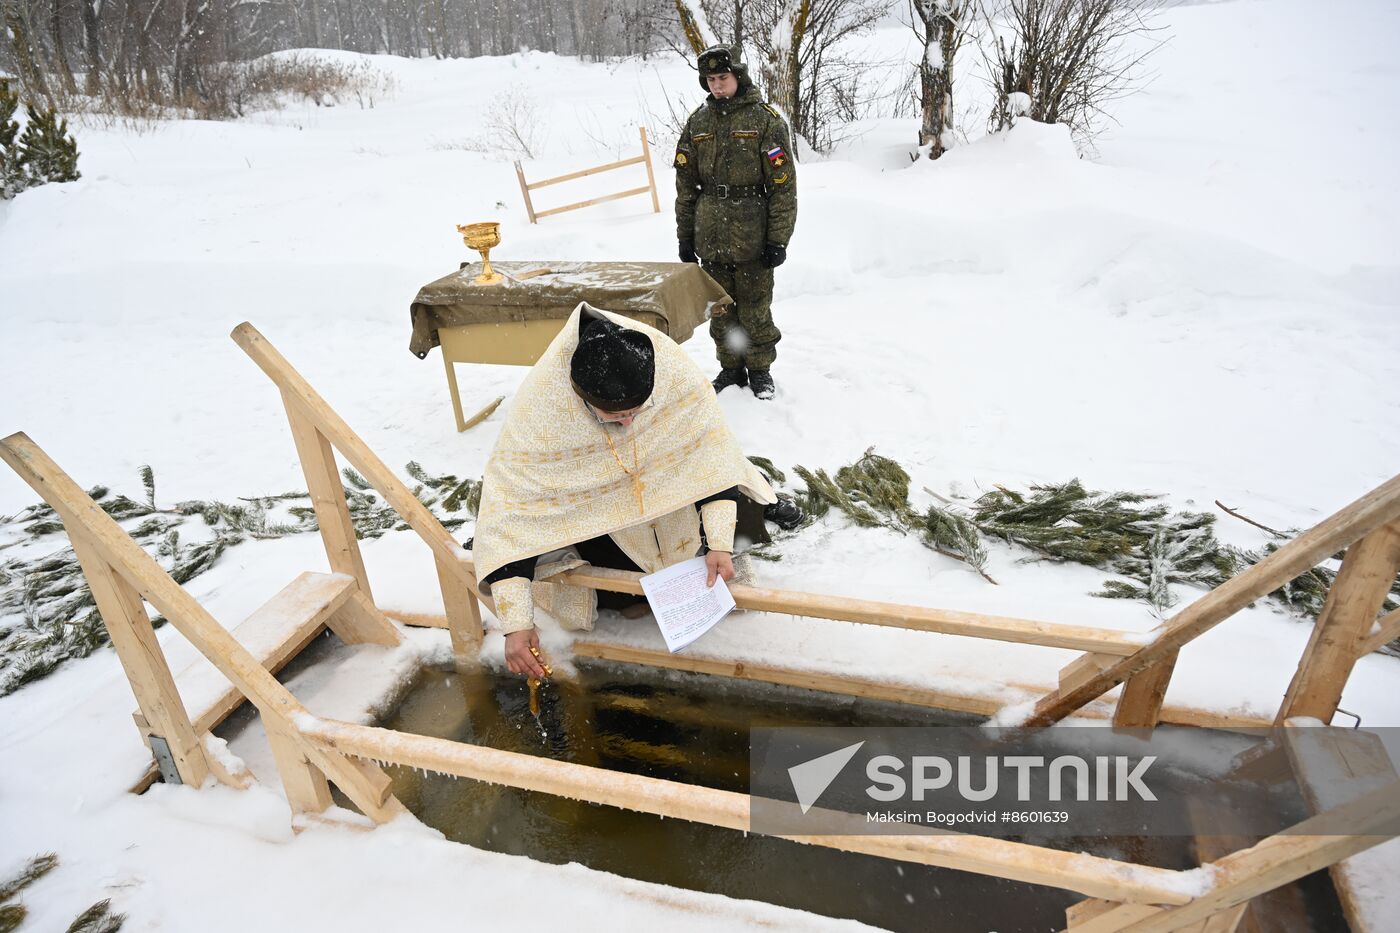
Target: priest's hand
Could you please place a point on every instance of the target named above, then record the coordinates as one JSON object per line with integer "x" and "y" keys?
{"x": 519, "y": 658}
{"x": 719, "y": 563}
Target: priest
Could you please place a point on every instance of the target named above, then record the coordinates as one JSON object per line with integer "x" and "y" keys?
{"x": 614, "y": 453}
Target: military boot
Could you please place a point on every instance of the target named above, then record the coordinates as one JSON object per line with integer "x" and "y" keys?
{"x": 761, "y": 381}
{"x": 784, "y": 513}
{"x": 731, "y": 377}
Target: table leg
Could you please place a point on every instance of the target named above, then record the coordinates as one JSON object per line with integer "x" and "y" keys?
{"x": 452, "y": 388}
{"x": 464, "y": 423}
{"x": 482, "y": 415}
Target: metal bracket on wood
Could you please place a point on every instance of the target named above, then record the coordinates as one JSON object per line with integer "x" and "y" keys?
{"x": 164, "y": 760}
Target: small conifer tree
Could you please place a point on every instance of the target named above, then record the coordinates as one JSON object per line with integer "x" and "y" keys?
{"x": 13, "y": 179}
{"x": 50, "y": 153}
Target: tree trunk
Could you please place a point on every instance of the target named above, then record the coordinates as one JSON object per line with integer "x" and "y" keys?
{"x": 695, "y": 32}
{"x": 60, "y": 47}
{"x": 942, "y": 28}
{"x": 92, "y": 46}
{"x": 782, "y": 71}
{"x": 31, "y": 77}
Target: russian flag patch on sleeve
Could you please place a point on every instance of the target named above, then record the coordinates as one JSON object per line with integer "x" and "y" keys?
{"x": 777, "y": 156}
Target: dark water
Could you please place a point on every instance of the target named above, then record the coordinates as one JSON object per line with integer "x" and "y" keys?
{"x": 694, "y": 729}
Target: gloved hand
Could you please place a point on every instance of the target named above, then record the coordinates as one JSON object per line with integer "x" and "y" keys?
{"x": 774, "y": 255}
{"x": 687, "y": 251}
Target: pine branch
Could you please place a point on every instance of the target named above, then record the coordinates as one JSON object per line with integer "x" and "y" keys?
{"x": 148, "y": 480}
{"x": 769, "y": 471}
{"x": 11, "y": 916}
{"x": 98, "y": 919}
{"x": 36, "y": 868}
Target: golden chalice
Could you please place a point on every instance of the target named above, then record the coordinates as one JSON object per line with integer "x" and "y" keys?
{"x": 482, "y": 237}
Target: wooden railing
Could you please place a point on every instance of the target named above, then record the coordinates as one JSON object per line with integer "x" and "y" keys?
{"x": 1143, "y": 662}
{"x": 310, "y": 752}
{"x": 319, "y": 432}
{"x": 120, "y": 574}
{"x": 1369, "y": 530}
{"x": 648, "y": 188}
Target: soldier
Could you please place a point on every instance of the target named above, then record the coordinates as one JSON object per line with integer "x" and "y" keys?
{"x": 736, "y": 205}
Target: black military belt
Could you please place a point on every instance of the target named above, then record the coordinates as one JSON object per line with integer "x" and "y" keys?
{"x": 733, "y": 192}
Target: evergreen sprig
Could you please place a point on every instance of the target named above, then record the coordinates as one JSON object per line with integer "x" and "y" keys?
{"x": 98, "y": 919}
{"x": 1132, "y": 534}
{"x": 11, "y": 916}
{"x": 34, "y": 869}
{"x": 48, "y": 612}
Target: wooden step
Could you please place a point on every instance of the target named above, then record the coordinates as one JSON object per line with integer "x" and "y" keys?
{"x": 274, "y": 634}
{"x": 1335, "y": 766}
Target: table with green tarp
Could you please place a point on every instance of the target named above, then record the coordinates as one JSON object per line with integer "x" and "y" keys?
{"x": 513, "y": 321}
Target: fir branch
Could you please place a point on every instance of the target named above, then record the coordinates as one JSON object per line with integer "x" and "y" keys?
{"x": 98, "y": 919}
{"x": 769, "y": 471}
{"x": 148, "y": 480}
{"x": 11, "y": 916}
{"x": 952, "y": 535}
{"x": 355, "y": 479}
{"x": 36, "y": 868}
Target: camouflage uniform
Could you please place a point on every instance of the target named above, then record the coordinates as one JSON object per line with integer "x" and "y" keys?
{"x": 736, "y": 193}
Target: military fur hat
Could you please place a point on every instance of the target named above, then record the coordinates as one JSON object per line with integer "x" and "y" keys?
{"x": 723, "y": 59}
{"x": 613, "y": 368}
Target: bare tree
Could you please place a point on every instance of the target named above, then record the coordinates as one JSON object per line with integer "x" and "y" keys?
{"x": 1067, "y": 60}
{"x": 942, "y": 27}
{"x": 826, "y": 87}
{"x": 92, "y": 44}
{"x": 695, "y": 26}
{"x": 782, "y": 60}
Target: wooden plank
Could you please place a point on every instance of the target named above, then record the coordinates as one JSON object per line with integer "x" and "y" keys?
{"x": 1101, "y": 916}
{"x": 1356, "y": 596}
{"x": 1098, "y": 877}
{"x": 1283, "y": 858}
{"x": 334, "y": 428}
{"x": 1219, "y": 834}
{"x": 631, "y": 192}
{"x": 651, "y": 174}
{"x": 82, "y": 515}
{"x": 274, "y": 633}
{"x": 1084, "y": 667}
{"x": 852, "y": 686}
{"x": 304, "y": 784}
{"x": 1378, "y": 507}
{"x": 1227, "y": 921}
{"x": 919, "y": 618}
{"x": 233, "y": 773}
{"x": 1081, "y": 912}
{"x": 1140, "y": 706}
{"x": 1335, "y": 766}
{"x": 134, "y": 640}
{"x": 584, "y": 173}
{"x": 359, "y": 622}
{"x": 1386, "y": 630}
{"x": 525, "y": 193}
{"x": 419, "y": 619}
{"x": 327, "y": 494}
{"x": 463, "y": 616}
{"x": 790, "y": 677}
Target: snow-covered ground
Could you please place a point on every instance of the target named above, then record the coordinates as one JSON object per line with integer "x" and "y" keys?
{"x": 1208, "y": 310}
